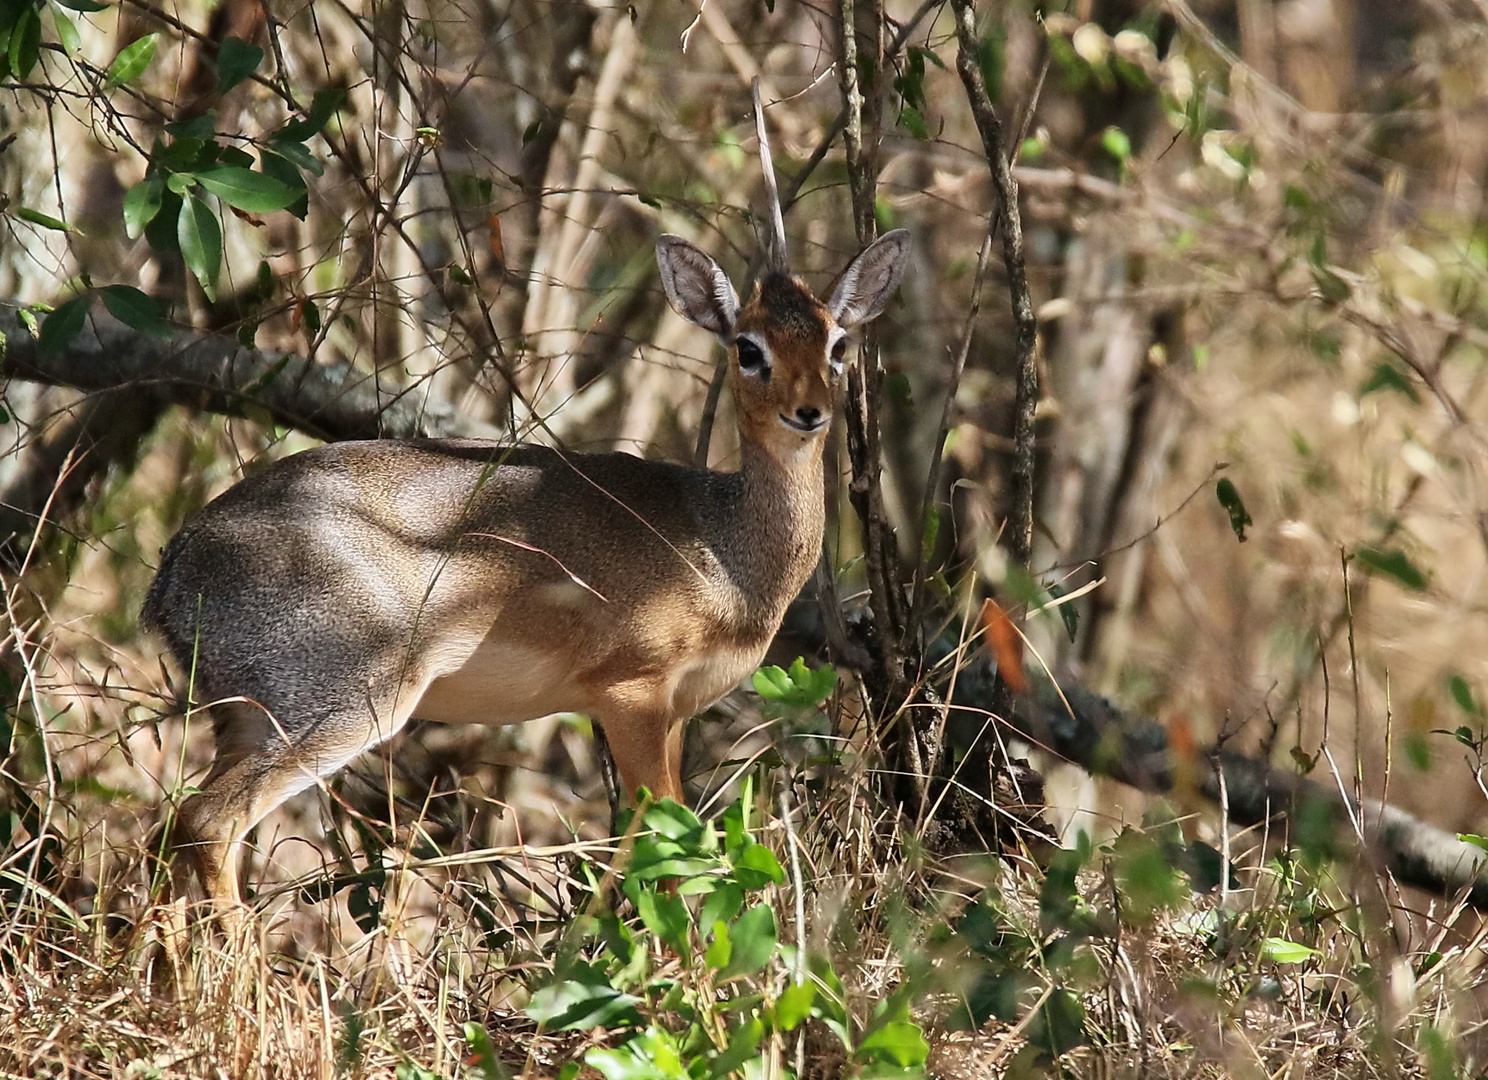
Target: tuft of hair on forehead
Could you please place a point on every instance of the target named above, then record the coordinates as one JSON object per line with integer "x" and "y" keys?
{"x": 790, "y": 305}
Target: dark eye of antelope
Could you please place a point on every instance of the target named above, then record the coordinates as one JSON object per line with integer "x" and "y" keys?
{"x": 752, "y": 359}
{"x": 839, "y": 351}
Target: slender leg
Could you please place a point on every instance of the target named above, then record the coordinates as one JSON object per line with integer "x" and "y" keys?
{"x": 255, "y": 771}
{"x": 648, "y": 752}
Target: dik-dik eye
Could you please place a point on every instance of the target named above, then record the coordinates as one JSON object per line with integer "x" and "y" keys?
{"x": 753, "y": 359}
{"x": 838, "y": 353}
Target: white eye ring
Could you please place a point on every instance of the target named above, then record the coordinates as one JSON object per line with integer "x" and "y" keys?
{"x": 759, "y": 359}
{"x": 837, "y": 340}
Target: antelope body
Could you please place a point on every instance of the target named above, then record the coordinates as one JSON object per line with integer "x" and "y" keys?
{"x": 324, "y": 602}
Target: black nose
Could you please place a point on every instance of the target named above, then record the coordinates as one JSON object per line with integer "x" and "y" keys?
{"x": 808, "y": 416}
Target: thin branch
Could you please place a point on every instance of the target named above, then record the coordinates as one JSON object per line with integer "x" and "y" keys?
{"x": 1020, "y": 534}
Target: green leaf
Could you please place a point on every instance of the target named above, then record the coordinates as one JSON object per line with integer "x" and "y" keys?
{"x": 288, "y": 174}
{"x": 992, "y": 58}
{"x": 800, "y": 674}
{"x": 135, "y": 309}
{"x": 722, "y": 905}
{"x": 995, "y": 993}
{"x": 1059, "y": 1025}
{"x": 46, "y": 221}
{"x": 67, "y": 32}
{"x": 200, "y": 238}
{"x": 665, "y": 916}
{"x": 1031, "y": 148}
{"x": 62, "y": 325}
{"x": 322, "y": 107}
{"x": 1206, "y": 868}
{"x": 1417, "y": 751}
{"x": 141, "y": 204}
{"x": 186, "y": 154}
{"x": 754, "y": 937}
{"x": 1387, "y": 376}
{"x": 25, "y": 42}
{"x": 231, "y": 155}
{"x": 1392, "y": 563}
{"x": 581, "y": 1005}
{"x": 913, "y": 120}
{"x": 720, "y": 949}
{"x": 794, "y": 1005}
{"x": 1462, "y": 694}
{"x": 772, "y": 683}
{"x": 1474, "y": 839}
{"x": 1059, "y": 897}
{"x": 310, "y": 313}
{"x": 1117, "y": 143}
{"x": 742, "y": 1046}
{"x": 236, "y": 60}
{"x": 653, "y": 1054}
{"x": 132, "y": 60}
{"x": 1149, "y": 880}
{"x": 300, "y": 157}
{"x": 757, "y": 868}
{"x": 900, "y": 1042}
{"x": 485, "y": 1064}
{"x": 251, "y": 192}
{"x": 929, "y": 54}
{"x": 823, "y": 684}
{"x": 980, "y": 927}
{"x": 1196, "y": 112}
{"x": 364, "y": 903}
{"x": 676, "y": 822}
{"x": 1069, "y": 614}
{"x": 203, "y": 128}
{"x": 930, "y": 533}
{"x": 1333, "y": 289}
{"x": 1229, "y": 498}
{"x": 1283, "y": 951}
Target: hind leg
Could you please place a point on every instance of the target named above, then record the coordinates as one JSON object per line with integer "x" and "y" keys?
{"x": 257, "y": 768}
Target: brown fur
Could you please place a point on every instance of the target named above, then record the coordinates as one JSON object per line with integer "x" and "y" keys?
{"x": 327, "y": 600}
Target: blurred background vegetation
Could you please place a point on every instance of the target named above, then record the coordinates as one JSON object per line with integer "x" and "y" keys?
{"x": 1256, "y": 242}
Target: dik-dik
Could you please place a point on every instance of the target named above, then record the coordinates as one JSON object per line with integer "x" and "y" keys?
{"x": 327, "y": 600}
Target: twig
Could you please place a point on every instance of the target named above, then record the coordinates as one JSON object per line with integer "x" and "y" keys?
{"x": 1026, "y": 398}
{"x": 863, "y": 435}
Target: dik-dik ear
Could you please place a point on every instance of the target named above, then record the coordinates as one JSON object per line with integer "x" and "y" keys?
{"x": 864, "y": 289}
{"x": 697, "y": 288}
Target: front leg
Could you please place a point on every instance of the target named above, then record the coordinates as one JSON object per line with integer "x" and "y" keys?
{"x": 647, "y": 747}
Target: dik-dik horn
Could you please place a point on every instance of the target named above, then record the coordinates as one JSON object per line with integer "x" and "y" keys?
{"x": 327, "y": 600}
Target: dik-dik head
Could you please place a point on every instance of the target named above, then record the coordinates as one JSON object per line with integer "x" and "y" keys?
{"x": 787, "y": 348}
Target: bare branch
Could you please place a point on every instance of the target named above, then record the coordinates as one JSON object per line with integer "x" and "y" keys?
{"x": 1020, "y": 533}
{"x": 204, "y": 371}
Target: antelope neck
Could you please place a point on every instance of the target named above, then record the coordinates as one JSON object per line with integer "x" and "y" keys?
{"x": 781, "y": 506}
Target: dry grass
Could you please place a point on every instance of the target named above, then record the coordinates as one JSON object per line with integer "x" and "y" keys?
{"x": 98, "y": 980}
